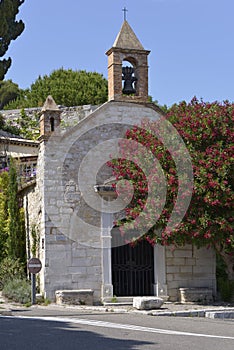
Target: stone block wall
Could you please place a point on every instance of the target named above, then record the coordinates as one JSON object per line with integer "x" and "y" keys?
{"x": 69, "y": 266}
{"x": 70, "y": 116}
{"x": 189, "y": 267}
{"x": 72, "y": 228}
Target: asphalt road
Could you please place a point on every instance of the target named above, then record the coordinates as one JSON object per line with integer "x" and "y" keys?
{"x": 42, "y": 329}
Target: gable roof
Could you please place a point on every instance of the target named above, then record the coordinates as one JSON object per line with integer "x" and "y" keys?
{"x": 49, "y": 105}
{"x": 127, "y": 39}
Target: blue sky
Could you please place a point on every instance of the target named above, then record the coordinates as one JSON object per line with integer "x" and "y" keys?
{"x": 191, "y": 43}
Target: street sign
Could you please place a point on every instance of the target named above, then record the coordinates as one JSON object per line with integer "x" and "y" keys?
{"x": 34, "y": 265}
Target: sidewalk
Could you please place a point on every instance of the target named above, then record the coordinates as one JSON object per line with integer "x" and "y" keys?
{"x": 8, "y": 308}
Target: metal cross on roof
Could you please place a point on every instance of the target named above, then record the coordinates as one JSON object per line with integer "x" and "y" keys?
{"x": 125, "y": 13}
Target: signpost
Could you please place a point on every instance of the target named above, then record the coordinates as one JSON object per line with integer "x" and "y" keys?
{"x": 34, "y": 266}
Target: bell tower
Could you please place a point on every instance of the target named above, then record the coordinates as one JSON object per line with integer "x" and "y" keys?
{"x": 127, "y": 68}
{"x": 50, "y": 118}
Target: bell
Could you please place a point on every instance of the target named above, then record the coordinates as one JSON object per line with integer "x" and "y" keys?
{"x": 129, "y": 79}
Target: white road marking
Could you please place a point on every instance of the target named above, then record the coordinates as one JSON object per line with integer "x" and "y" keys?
{"x": 130, "y": 327}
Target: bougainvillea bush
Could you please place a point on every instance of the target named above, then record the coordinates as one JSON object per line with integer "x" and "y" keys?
{"x": 207, "y": 132}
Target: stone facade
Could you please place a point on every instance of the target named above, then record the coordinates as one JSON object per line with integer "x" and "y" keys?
{"x": 71, "y": 252}
{"x": 189, "y": 267}
{"x": 70, "y": 116}
{"x": 71, "y": 206}
{"x": 73, "y": 233}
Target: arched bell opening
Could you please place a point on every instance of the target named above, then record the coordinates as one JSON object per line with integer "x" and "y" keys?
{"x": 129, "y": 76}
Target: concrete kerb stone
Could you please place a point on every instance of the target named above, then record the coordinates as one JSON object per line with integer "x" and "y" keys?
{"x": 188, "y": 313}
{"x": 209, "y": 313}
{"x": 5, "y": 312}
{"x": 225, "y": 312}
{"x": 4, "y": 309}
{"x": 172, "y": 309}
{"x": 220, "y": 314}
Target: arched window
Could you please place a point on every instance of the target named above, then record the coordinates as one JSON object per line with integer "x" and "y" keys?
{"x": 51, "y": 124}
{"x": 129, "y": 77}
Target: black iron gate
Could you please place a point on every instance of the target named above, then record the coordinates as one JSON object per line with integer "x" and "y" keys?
{"x": 133, "y": 269}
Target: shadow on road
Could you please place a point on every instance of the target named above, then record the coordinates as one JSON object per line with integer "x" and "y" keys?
{"x": 49, "y": 335}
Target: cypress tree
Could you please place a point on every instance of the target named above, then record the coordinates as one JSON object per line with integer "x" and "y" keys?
{"x": 16, "y": 226}
{"x": 3, "y": 214}
{"x": 10, "y": 29}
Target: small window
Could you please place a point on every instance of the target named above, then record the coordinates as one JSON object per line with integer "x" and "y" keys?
{"x": 52, "y": 124}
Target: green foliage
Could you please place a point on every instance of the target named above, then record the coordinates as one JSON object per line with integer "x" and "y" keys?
{"x": 35, "y": 241}
{"x": 8, "y": 127}
{"x": 29, "y": 126}
{"x": 114, "y": 299}
{"x": 10, "y": 29}
{"x": 4, "y": 179}
{"x": 164, "y": 107}
{"x": 9, "y": 91}
{"x": 10, "y": 270}
{"x": 47, "y": 302}
{"x": 26, "y": 126}
{"x": 225, "y": 287}
{"x": 18, "y": 290}
{"x": 16, "y": 225}
{"x": 68, "y": 88}
{"x": 207, "y": 132}
{"x": 43, "y": 301}
{"x": 13, "y": 211}
{"x": 12, "y": 222}
{"x": 4, "y": 66}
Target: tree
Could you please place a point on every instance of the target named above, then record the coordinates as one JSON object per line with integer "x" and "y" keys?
{"x": 10, "y": 29}
{"x": 9, "y": 91}
{"x": 4, "y": 178}
{"x": 207, "y": 131}
{"x": 29, "y": 125}
{"x": 68, "y": 88}
{"x": 8, "y": 126}
{"x": 16, "y": 226}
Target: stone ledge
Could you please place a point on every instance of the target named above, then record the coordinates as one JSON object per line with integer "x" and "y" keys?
{"x": 74, "y": 297}
{"x": 193, "y": 295}
{"x": 147, "y": 303}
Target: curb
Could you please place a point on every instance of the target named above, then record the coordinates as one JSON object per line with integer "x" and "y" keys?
{"x": 220, "y": 314}
{"x": 209, "y": 313}
{"x": 5, "y": 312}
{"x": 189, "y": 313}
{"x": 197, "y": 313}
{"x": 212, "y": 313}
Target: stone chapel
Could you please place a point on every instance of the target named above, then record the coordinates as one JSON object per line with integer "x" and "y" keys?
{"x": 70, "y": 204}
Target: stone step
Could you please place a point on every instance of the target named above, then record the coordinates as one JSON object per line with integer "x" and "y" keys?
{"x": 117, "y": 304}
{"x": 118, "y": 301}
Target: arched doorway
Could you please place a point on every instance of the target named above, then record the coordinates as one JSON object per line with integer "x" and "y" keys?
{"x": 132, "y": 267}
